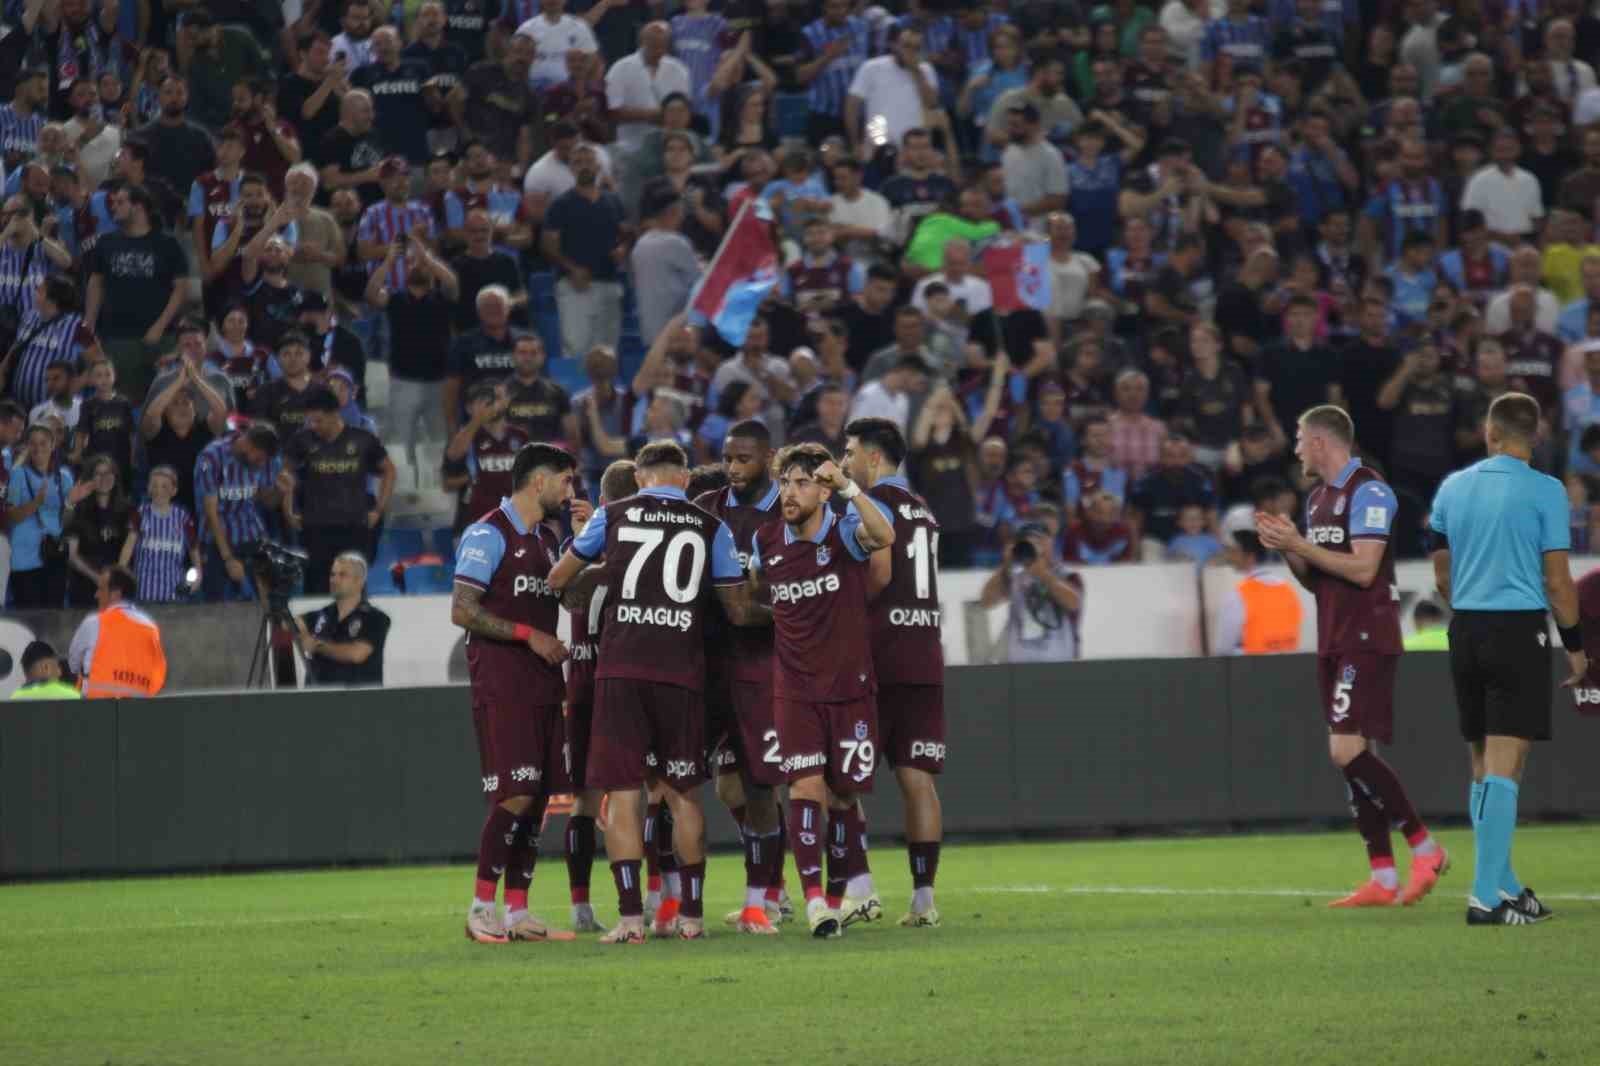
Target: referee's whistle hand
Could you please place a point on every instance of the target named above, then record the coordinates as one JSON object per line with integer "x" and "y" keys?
{"x": 1580, "y": 668}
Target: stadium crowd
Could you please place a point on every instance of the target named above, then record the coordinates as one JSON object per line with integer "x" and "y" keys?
{"x": 220, "y": 216}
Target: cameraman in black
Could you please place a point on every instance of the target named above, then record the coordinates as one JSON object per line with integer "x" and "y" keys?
{"x": 343, "y": 642}
{"x": 1046, "y": 598}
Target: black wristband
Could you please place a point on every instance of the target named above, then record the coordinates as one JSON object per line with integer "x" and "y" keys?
{"x": 1571, "y": 636}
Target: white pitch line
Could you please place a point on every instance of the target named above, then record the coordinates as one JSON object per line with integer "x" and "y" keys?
{"x": 1159, "y": 890}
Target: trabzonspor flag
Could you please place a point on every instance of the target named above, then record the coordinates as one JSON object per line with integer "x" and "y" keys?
{"x": 1018, "y": 276}
{"x": 741, "y": 274}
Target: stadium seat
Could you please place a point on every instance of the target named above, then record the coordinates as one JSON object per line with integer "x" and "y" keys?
{"x": 440, "y": 541}
{"x": 400, "y": 544}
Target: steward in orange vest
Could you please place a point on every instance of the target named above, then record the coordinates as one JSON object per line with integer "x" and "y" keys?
{"x": 1262, "y": 613}
{"x": 116, "y": 652}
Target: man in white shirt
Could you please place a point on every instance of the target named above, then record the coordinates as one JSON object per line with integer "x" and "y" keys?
{"x": 1570, "y": 76}
{"x": 554, "y": 33}
{"x": 636, "y": 84}
{"x": 1508, "y": 196}
{"x": 890, "y": 95}
{"x": 1072, "y": 273}
{"x": 968, "y": 291}
{"x": 551, "y": 173}
{"x": 756, "y": 366}
{"x": 1527, "y": 265}
{"x": 890, "y": 395}
{"x": 862, "y": 219}
{"x": 98, "y": 141}
{"x": 1036, "y": 173}
{"x": 355, "y": 43}
{"x": 1420, "y": 45}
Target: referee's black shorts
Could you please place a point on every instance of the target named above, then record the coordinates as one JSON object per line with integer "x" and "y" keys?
{"x": 1500, "y": 663}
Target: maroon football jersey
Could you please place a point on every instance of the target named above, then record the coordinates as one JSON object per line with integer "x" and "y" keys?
{"x": 513, "y": 569}
{"x": 820, "y": 286}
{"x": 1349, "y": 617}
{"x": 583, "y": 647}
{"x": 746, "y": 649}
{"x": 819, "y": 612}
{"x": 489, "y": 461}
{"x": 218, "y": 197}
{"x": 905, "y": 616}
{"x": 1587, "y": 696}
{"x": 663, "y": 555}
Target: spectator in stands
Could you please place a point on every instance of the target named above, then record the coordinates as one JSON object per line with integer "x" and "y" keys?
{"x": 309, "y": 96}
{"x": 1157, "y": 500}
{"x": 478, "y": 459}
{"x": 603, "y": 403}
{"x": 282, "y": 401}
{"x": 1045, "y": 597}
{"x": 585, "y": 235}
{"x": 1295, "y": 374}
{"x": 538, "y": 406}
{"x": 1136, "y": 438}
{"x": 664, "y": 255}
{"x": 41, "y": 671}
{"x": 1036, "y": 172}
{"x": 343, "y": 642}
{"x": 756, "y": 366}
{"x": 351, "y": 153}
{"x": 942, "y": 463}
{"x": 398, "y": 87}
{"x": 1508, "y": 195}
{"x": 832, "y": 408}
{"x": 52, "y": 332}
{"x": 271, "y": 145}
{"x": 891, "y": 94}
{"x": 495, "y": 104}
{"x": 320, "y": 247}
{"x": 138, "y": 277}
{"x": 105, "y": 421}
{"x": 61, "y": 403}
{"x": 1194, "y": 541}
{"x": 835, "y": 47}
{"x": 419, "y": 315}
{"x": 1095, "y": 470}
{"x": 1214, "y": 398}
{"x": 892, "y": 393}
{"x": 235, "y": 478}
{"x": 481, "y": 353}
{"x": 1045, "y": 90}
{"x": 1422, "y": 399}
{"x": 40, "y": 496}
{"x": 188, "y": 369}
{"x": 179, "y": 148}
{"x": 354, "y": 44}
{"x": 330, "y": 462}
{"x": 334, "y": 346}
{"x": 216, "y": 59}
{"x": 97, "y": 531}
{"x": 479, "y": 266}
{"x": 554, "y": 34}
{"x": 162, "y": 543}
{"x": 1100, "y": 536}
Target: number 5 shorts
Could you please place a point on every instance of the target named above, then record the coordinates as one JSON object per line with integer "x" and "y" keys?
{"x": 1357, "y": 691}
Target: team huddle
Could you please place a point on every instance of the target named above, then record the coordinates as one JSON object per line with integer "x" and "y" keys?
{"x": 779, "y": 630}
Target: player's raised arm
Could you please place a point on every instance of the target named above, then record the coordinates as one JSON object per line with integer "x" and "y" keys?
{"x": 876, "y": 530}
{"x": 586, "y": 547}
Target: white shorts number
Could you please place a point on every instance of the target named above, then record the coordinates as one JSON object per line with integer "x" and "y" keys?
{"x": 861, "y": 753}
{"x": 1341, "y": 700}
{"x": 771, "y": 755}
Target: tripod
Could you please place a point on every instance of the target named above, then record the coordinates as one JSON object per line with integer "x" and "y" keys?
{"x": 271, "y": 667}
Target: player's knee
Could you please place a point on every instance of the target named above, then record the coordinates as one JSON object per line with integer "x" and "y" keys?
{"x": 761, "y": 809}
{"x": 809, "y": 789}
{"x": 1343, "y": 749}
{"x": 915, "y": 784}
{"x": 730, "y": 790}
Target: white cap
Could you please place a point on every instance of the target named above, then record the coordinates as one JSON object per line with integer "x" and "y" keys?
{"x": 1240, "y": 518}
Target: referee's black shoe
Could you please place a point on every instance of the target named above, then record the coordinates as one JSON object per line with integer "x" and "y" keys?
{"x": 1506, "y": 913}
{"x": 1530, "y": 905}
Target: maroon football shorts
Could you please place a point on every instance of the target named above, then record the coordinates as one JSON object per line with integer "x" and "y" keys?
{"x": 579, "y": 723}
{"x": 645, "y": 728}
{"x": 761, "y": 756}
{"x": 837, "y": 740}
{"x": 911, "y": 724}
{"x": 519, "y": 747}
{"x": 1357, "y": 690}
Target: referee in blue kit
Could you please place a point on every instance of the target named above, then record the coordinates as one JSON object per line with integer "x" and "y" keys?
{"x": 1500, "y": 558}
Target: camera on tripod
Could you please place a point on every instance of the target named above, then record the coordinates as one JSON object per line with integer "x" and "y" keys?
{"x": 278, "y": 571}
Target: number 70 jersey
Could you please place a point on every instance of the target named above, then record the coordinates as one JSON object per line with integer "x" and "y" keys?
{"x": 663, "y": 556}
{"x": 906, "y": 615}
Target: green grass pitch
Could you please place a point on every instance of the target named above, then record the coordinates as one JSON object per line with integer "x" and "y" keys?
{"x": 1184, "y": 951}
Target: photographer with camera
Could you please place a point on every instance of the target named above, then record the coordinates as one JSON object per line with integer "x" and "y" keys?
{"x": 238, "y": 483}
{"x": 1046, "y": 598}
{"x": 343, "y": 642}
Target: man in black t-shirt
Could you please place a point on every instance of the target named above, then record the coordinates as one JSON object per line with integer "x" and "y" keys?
{"x": 419, "y": 328}
{"x": 1296, "y": 373}
{"x": 138, "y": 278}
{"x": 397, "y": 87}
{"x": 539, "y": 406}
{"x": 480, "y": 354}
{"x": 349, "y": 156}
{"x": 283, "y": 400}
{"x": 330, "y": 462}
{"x": 309, "y": 97}
{"x": 481, "y": 266}
{"x": 495, "y": 104}
{"x": 343, "y": 642}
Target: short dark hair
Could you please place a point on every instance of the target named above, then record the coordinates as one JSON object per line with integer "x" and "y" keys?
{"x": 320, "y": 398}
{"x": 1516, "y": 415}
{"x": 707, "y": 478}
{"x": 482, "y": 390}
{"x": 121, "y": 579}
{"x": 294, "y": 337}
{"x": 139, "y": 196}
{"x": 1264, "y": 490}
{"x": 61, "y": 291}
{"x": 191, "y": 324}
{"x": 619, "y": 482}
{"x": 880, "y": 272}
{"x": 662, "y": 453}
{"x": 10, "y": 409}
{"x": 1336, "y": 423}
{"x": 881, "y": 435}
{"x": 531, "y": 458}
{"x": 35, "y": 653}
{"x": 1301, "y": 299}
{"x": 262, "y": 437}
{"x": 807, "y": 456}
{"x": 752, "y": 429}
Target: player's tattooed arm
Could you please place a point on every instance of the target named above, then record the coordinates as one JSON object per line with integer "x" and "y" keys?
{"x": 466, "y": 611}
{"x": 739, "y": 603}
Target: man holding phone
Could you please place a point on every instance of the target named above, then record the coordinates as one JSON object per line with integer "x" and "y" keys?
{"x": 891, "y": 94}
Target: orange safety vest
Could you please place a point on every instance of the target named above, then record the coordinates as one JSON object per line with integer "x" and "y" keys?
{"x": 1271, "y": 616}
{"x": 128, "y": 660}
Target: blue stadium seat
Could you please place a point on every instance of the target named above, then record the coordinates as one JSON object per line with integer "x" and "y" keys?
{"x": 429, "y": 580}
{"x": 440, "y": 542}
{"x": 399, "y": 544}
{"x": 380, "y": 582}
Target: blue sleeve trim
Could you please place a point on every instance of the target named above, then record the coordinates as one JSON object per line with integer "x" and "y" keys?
{"x": 479, "y": 554}
{"x": 1372, "y": 508}
{"x": 724, "y": 559}
{"x": 591, "y": 543}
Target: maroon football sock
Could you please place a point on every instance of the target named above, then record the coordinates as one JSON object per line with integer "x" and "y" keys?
{"x": 520, "y": 860}
{"x": 775, "y": 882}
{"x": 924, "y": 863}
{"x": 630, "y": 904}
{"x": 580, "y": 856}
{"x": 694, "y": 886}
{"x": 807, "y": 844}
{"x": 856, "y": 821}
{"x": 494, "y": 843}
{"x": 758, "y": 858}
{"x": 1383, "y": 784}
{"x": 840, "y": 865}
{"x": 652, "y": 860}
{"x": 1371, "y": 822}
